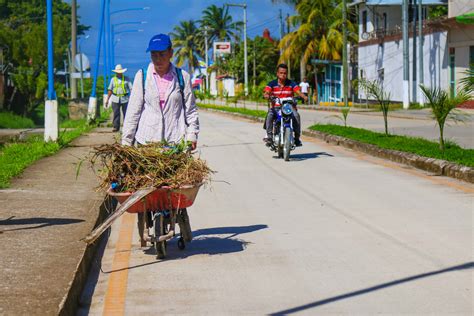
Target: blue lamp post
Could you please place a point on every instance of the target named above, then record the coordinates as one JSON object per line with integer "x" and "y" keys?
{"x": 110, "y": 32}
{"x": 92, "y": 110}
{"x": 51, "y": 122}
{"x": 112, "y": 37}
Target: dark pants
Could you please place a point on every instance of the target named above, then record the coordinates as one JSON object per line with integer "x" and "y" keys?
{"x": 116, "y": 108}
{"x": 296, "y": 122}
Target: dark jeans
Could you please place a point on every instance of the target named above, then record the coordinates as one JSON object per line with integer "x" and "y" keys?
{"x": 296, "y": 122}
{"x": 116, "y": 108}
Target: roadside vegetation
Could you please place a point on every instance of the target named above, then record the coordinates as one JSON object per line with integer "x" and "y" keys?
{"x": 419, "y": 146}
{"x": 10, "y": 120}
{"x": 16, "y": 156}
{"x": 443, "y": 108}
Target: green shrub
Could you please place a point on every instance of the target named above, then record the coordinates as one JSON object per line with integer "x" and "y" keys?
{"x": 418, "y": 146}
{"x": 10, "y": 120}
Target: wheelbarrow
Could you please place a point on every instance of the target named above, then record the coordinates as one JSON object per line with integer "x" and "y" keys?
{"x": 158, "y": 208}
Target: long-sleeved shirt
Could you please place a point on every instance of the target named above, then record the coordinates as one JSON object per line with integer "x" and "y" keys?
{"x": 146, "y": 121}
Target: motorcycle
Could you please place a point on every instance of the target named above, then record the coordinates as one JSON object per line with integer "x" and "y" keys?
{"x": 283, "y": 141}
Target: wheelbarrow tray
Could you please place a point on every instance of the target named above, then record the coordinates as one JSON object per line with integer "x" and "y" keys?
{"x": 162, "y": 198}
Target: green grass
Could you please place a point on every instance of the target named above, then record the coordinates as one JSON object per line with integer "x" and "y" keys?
{"x": 15, "y": 157}
{"x": 255, "y": 113}
{"x": 10, "y": 120}
{"x": 418, "y": 146}
{"x": 73, "y": 124}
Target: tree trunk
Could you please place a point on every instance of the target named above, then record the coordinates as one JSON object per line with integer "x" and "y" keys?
{"x": 441, "y": 137}
{"x": 302, "y": 69}
{"x": 385, "y": 118}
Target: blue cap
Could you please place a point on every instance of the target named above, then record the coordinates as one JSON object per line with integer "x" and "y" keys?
{"x": 159, "y": 42}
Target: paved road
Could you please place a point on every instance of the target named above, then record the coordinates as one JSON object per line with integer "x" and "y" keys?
{"x": 331, "y": 231}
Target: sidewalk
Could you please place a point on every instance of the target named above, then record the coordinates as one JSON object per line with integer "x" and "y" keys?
{"x": 43, "y": 216}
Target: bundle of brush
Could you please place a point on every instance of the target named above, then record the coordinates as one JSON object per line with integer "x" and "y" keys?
{"x": 128, "y": 168}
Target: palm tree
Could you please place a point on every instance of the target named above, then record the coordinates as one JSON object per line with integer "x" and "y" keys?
{"x": 186, "y": 37}
{"x": 219, "y": 23}
{"x": 319, "y": 33}
{"x": 442, "y": 105}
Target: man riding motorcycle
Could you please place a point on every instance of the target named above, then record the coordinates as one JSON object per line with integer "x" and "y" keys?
{"x": 281, "y": 88}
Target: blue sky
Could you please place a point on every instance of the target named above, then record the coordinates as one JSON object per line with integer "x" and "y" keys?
{"x": 161, "y": 17}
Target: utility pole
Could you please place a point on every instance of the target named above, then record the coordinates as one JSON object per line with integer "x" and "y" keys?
{"x": 51, "y": 119}
{"x": 246, "y": 72}
{"x": 421, "y": 74}
{"x": 73, "y": 47}
{"x": 406, "y": 65}
{"x": 93, "y": 99}
{"x": 415, "y": 87}
{"x": 345, "y": 78}
{"x": 288, "y": 32}
{"x": 207, "y": 58}
{"x": 245, "y": 52}
{"x": 281, "y": 31}
{"x": 254, "y": 65}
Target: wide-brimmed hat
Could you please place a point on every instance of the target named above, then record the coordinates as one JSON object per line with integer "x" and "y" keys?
{"x": 118, "y": 69}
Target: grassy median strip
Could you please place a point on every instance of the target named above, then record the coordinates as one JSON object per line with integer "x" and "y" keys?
{"x": 255, "y": 113}
{"x": 419, "y": 146}
{"x": 15, "y": 157}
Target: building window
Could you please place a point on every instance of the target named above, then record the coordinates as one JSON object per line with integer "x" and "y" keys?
{"x": 452, "y": 72}
{"x": 384, "y": 21}
{"x": 364, "y": 21}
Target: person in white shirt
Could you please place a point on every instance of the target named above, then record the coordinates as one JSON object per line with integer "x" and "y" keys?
{"x": 305, "y": 88}
{"x": 119, "y": 91}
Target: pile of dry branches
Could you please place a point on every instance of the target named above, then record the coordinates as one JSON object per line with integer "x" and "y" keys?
{"x": 129, "y": 168}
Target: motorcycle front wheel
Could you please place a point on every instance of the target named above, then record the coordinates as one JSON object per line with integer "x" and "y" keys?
{"x": 287, "y": 144}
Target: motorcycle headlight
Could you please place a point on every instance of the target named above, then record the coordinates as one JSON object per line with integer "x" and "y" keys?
{"x": 286, "y": 109}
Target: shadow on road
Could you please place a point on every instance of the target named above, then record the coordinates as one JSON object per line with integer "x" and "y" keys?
{"x": 301, "y": 157}
{"x": 202, "y": 243}
{"x": 465, "y": 266}
{"x": 39, "y": 221}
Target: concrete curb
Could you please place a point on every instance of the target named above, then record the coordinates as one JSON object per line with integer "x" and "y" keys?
{"x": 436, "y": 166}
{"x": 70, "y": 302}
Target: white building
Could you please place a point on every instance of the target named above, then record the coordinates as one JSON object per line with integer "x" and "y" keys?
{"x": 380, "y": 47}
{"x": 461, "y": 39}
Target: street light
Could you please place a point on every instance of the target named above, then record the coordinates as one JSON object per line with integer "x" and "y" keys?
{"x": 51, "y": 120}
{"x": 80, "y": 64}
{"x": 112, "y": 37}
{"x": 110, "y": 33}
{"x": 246, "y": 79}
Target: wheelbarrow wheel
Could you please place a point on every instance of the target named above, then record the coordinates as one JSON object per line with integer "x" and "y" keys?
{"x": 160, "y": 229}
{"x": 184, "y": 225}
{"x": 141, "y": 228}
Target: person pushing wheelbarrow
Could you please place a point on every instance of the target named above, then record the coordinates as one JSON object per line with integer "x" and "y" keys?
{"x": 162, "y": 107}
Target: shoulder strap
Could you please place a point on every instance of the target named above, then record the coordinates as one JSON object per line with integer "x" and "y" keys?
{"x": 144, "y": 70}
{"x": 179, "y": 74}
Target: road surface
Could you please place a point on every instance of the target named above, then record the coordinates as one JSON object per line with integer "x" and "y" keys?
{"x": 330, "y": 232}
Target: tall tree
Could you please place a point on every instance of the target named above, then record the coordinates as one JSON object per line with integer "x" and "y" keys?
{"x": 220, "y": 24}
{"x": 318, "y": 33}
{"x": 186, "y": 38}
{"x": 23, "y": 35}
